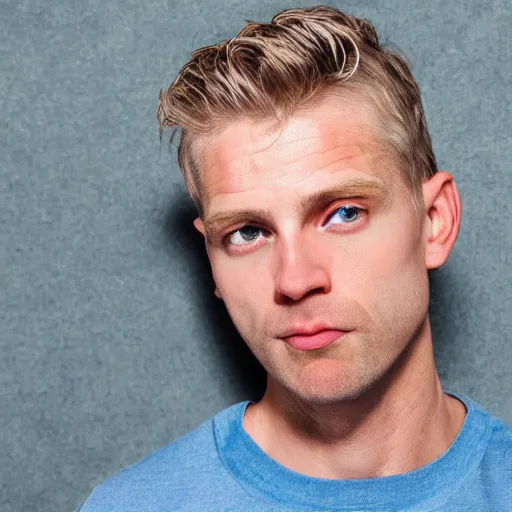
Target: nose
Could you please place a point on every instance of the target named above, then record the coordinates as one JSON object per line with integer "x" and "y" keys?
{"x": 300, "y": 270}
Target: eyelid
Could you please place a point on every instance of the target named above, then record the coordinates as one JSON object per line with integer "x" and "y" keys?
{"x": 258, "y": 225}
{"x": 331, "y": 209}
{"x": 344, "y": 204}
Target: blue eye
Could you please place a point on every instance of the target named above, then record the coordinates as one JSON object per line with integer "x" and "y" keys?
{"x": 353, "y": 212}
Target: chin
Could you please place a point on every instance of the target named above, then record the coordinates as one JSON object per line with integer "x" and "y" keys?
{"x": 331, "y": 384}
{"x": 329, "y": 397}
{"x": 324, "y": 391}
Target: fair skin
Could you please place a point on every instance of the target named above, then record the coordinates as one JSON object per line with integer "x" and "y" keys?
{"x": 371, "y": 403}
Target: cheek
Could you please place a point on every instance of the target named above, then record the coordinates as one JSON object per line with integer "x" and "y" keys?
{"x": 236, "y": 277}
{"x": 243, "y": 291}
{"x": 390, "y": 246}
{"x": 393, "y": 279}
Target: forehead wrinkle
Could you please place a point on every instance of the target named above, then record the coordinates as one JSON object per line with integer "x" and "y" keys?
{"x": 363, "y": 142}
{"x": 379, "y": 156}
{"x": 262, "y": 150}
{"x": 220, "y": 180}
{"x": 340, "y": 159}
{"x": 361, "y": 146}
{"x": 323, "y": 152}
{"x": 250, "y": 171}
{"x": 319, "y": 134}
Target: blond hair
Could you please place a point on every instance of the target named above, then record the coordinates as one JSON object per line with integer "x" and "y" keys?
{"x": 269, "y": 70}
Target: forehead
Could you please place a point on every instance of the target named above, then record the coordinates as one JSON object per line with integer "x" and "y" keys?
{"x": 250, "y": 155}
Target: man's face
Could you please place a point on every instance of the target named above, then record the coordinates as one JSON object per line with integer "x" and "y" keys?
{"x": 353, "y": 261}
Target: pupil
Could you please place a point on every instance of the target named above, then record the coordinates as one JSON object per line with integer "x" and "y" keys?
{"x": 350, "y": 208}
{"x": 249, "y": 232}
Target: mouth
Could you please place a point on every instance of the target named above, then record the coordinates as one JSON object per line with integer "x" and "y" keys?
{"x": 314, "y": 341}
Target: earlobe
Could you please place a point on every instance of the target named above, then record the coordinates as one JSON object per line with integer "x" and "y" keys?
{"x": 199, "y": 225}
{"x": 444, "y": 212}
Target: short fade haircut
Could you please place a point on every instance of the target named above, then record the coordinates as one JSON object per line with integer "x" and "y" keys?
{"x": 270, "y": 70}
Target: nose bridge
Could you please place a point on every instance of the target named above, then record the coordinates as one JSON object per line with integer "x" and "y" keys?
{"x": 300, "y": 265}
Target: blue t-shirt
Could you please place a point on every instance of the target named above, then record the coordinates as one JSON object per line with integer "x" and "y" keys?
{"x": 219, "y": 468}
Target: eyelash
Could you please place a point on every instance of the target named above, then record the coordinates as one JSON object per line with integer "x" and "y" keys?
{"x": 226, "y": 243}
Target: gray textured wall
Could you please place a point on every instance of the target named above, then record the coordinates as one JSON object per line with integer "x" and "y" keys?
{"x": 112, "y": 343}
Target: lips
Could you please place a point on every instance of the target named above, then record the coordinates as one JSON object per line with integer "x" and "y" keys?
{"x": 315, "y": 339}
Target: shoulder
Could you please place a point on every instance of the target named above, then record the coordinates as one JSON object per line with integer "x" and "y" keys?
{"x": 163, "y": 475}
{"x": 495, "y": 467}
{"x": 498, "y": 432}
{"x": 500, "y": 443}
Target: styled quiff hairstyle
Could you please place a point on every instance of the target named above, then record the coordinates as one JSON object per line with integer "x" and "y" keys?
{"x": 270, "y": 70}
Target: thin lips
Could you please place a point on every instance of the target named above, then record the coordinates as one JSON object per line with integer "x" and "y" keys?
{"x": 305, "y": 331}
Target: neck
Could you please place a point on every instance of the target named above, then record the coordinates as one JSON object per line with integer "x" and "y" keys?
{"x": 403, "y": 422}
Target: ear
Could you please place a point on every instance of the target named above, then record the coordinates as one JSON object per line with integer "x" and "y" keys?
{"x": 199, "y": 225}
{"x": 442, "y": 220}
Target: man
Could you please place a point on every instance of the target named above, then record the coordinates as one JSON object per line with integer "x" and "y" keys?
{"x": 305, "y": 148}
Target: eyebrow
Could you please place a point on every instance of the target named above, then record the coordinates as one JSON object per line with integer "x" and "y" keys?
{"x": 353, "y": 188}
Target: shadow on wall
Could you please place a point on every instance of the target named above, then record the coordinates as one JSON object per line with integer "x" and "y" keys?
{"x": 189, "y": 243}
{"x": 449, "y": 299}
